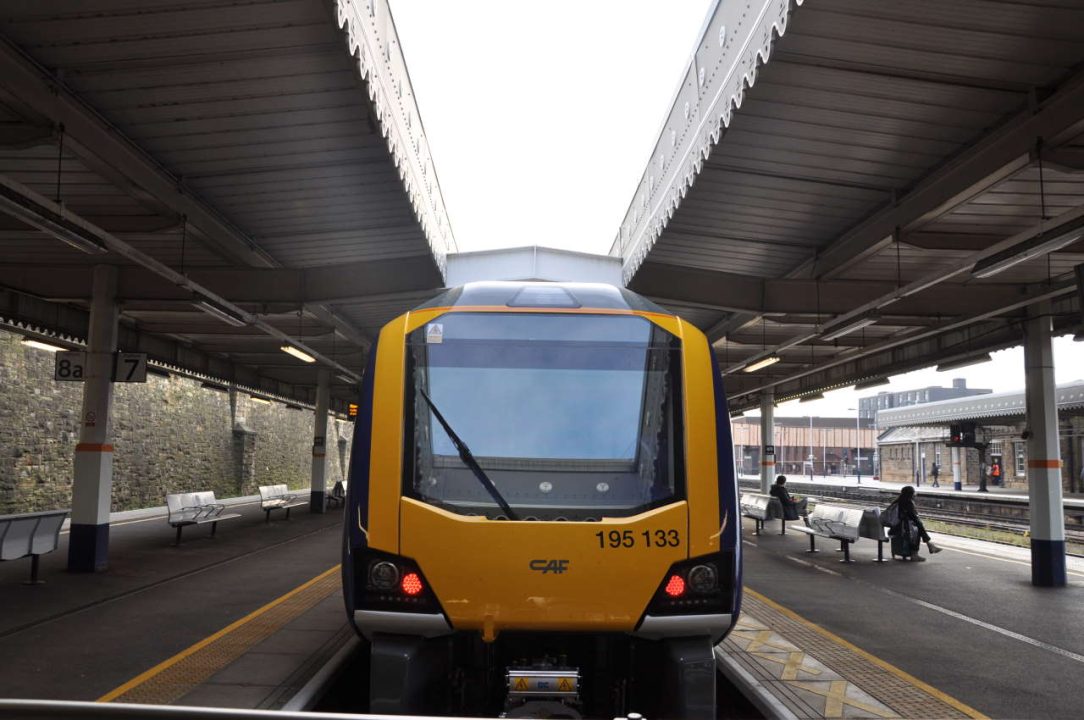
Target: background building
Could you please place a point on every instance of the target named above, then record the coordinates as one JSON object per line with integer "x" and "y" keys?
{"x": 913, "y": 438}
{"x": 825, "y": 446}
{"x": 869, "y": 406}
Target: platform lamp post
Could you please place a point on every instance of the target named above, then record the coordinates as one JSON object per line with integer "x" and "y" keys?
{"x": 857, "y": 443}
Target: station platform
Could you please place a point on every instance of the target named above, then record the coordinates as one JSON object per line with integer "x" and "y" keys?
{"x": 242, "y": 619}
{"x": 249, "y": 617}
{"x": 964, "y": 634}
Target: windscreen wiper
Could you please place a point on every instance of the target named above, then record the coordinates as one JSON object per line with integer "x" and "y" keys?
{"x": 468, "y": 459}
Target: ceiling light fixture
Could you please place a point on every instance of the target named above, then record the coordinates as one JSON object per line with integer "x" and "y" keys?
{"x": 838, "y": 331}
{"x": 40, "y": 345}
{"x": 762, "y": 363}
{"x": 1030, "y": 249}
{"x": 259, "y": 400}
{"x": 220, "y": 313}
{"x": 21, "y": 202}
{"x": 346, "y": 379}
{"x": 964, "y": 362}
{"x": 297, "y": 353}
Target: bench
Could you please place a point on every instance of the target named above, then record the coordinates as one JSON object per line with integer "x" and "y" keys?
{"x": 759, "y": 507}
{"x": 196, "y": 508}
{"x": 338, "y": 494}
{"x": 278, "y": 497}
{"x": 846, "y": 524}
{"x": 32, "y": 534}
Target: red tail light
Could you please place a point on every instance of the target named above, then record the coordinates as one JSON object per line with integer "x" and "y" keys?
{"x": 675, "y": 586}
{"x": 412, "y": 584}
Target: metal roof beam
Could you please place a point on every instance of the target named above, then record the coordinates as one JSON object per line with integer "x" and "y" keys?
{"x": 997, "y": 156}
{"x": 88, "y": 135}
{"x": 894, "y": 361}
{"x": 306, "y": 288}
{"x": 48, "y": 215}
{"x": 22, "y": 313}
{"x": 105, "y": 149}
{"x": 743, "y": 294}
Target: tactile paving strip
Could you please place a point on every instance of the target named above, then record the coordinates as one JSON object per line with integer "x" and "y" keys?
{"x": 185, "y": 671}
{"x": 817, "y": 675}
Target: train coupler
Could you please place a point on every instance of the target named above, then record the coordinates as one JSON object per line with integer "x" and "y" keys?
{"x": 543, "y": 690}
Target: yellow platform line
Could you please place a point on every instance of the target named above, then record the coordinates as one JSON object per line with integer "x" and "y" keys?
{"x": 889, "y": 667}
{"x": 161, "y": 667}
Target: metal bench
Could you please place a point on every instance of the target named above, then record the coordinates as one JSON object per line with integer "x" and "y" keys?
{"x": 32, "y": 534}
{"x": 846, "y": 524}
{"x": 338, "y": 494}
{"x": 196, "y": 508}
{"x": 760, "y": 507}
{"x": 278, "y": 497}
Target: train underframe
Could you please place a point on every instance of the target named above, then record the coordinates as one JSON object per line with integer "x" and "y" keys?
{"x": 555, "y": 675}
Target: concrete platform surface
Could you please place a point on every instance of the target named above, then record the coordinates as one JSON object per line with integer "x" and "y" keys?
{"x": 81, "y": 636}
{"x": 966, "y": 623}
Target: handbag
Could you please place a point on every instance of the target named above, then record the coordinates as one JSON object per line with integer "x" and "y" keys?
{"x": 890, "y": 518}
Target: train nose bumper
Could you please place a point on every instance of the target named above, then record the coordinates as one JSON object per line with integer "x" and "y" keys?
{"x": 561, "y": 576}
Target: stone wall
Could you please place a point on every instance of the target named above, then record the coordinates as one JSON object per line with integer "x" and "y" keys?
{"x": 170, "y": 434}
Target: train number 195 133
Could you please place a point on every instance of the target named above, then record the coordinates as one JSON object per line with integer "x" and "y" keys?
{"x": 646, "y": 538}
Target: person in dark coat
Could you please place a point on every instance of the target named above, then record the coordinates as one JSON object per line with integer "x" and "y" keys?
{"x": 792, "y": 507}
{"x": 910, "y": 524}
{"x": 935, "y": 471}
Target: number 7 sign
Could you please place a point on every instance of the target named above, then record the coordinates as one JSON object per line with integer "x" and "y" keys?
{"x": 130, "y": 367}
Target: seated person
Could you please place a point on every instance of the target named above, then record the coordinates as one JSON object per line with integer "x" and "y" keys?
{"x": 792, "y": 507}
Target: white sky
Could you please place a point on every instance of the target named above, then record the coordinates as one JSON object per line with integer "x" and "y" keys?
{"x": 541, "y": 117}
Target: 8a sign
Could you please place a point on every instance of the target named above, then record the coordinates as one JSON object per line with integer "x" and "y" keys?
{"x": 71, "y": 366}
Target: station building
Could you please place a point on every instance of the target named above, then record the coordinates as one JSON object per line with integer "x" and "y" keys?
{"x": 868, "y": 407}
{"x": 913, "y": 438}
{"x": 825, "y": 446}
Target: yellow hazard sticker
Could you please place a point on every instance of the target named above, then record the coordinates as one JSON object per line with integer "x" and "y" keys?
{"x": 565, "y": 685}
{"x": 521, "y": 684}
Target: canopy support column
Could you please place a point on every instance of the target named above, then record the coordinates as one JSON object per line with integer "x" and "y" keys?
{"x": 767, "y": 440}
{"x": 1044, "y": 453}
{"x": 92, "y": 489}
{"x": 319, "y": 442}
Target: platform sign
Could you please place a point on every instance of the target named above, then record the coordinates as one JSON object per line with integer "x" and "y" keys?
{"x": 769, "y": 449}
{"x": 71, "y": 366}
{"x": 352, "y": 412}
{"x": 130, "y": 367}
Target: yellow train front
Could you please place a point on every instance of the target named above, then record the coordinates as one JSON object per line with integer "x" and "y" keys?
{"x": 542, "y": 513}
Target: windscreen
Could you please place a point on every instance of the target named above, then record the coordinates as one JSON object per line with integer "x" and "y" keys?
{"x": 570, "y": 416}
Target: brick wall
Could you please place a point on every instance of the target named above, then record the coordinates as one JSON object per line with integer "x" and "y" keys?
{"x": 170, "y": 435}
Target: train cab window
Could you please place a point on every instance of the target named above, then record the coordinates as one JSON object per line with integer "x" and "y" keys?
{"x": 570, "y": 416}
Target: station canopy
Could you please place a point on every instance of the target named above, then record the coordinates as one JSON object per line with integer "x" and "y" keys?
{"x": 988, "y": 409}
{"x": 845, "y": 189}
{"x": 257, "y": 171}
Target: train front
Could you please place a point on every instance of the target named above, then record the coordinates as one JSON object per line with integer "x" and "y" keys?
{"x": 542, "y": 507}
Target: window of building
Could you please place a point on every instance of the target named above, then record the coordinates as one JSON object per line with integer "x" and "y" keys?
{"x": 1021, "y": 458}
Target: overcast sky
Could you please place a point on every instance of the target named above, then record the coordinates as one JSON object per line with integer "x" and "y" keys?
{"x": 541, "y": 117}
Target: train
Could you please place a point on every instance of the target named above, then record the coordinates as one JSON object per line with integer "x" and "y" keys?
{"x": 542, "y": 513}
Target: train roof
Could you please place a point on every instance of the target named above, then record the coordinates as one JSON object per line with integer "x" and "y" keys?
{"x": 544, "y": 295}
